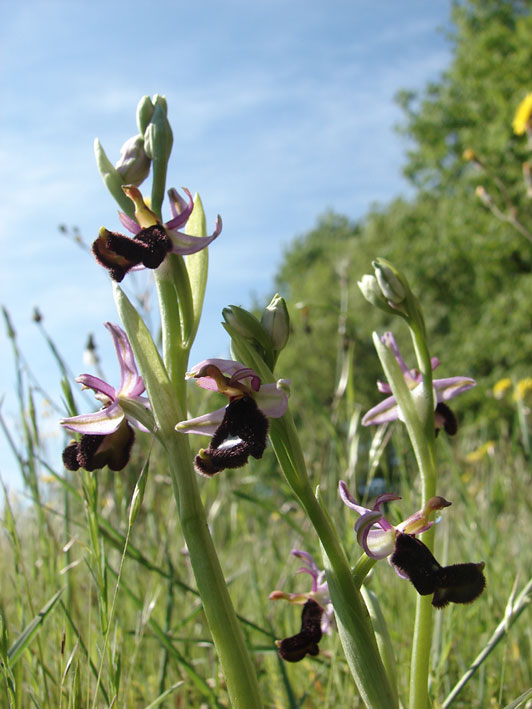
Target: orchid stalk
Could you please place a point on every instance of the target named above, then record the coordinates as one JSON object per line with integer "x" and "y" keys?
{"x": 389, "y": 290}
{"x": 180, "y": 287}
{"x": 354, "y": 624}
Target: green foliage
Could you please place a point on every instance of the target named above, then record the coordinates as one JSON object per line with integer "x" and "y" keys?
{"x": 471, "y": 271}
{"x": 158, "y": 635}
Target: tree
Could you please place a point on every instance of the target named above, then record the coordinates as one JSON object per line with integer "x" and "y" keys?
{"x": 472, "y": 272}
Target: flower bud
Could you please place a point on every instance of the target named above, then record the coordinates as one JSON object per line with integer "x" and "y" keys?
{"x": 276, "y": 321}
{"x": 373, "y": 294}
{"x": 484, "y": 196}
{"x": 145, "y": 111}
{"x": 246, "y": 325}
{"x": 158, "y": 137}
{"x": 134, "y": 164}
{"x": 389, "y": 281}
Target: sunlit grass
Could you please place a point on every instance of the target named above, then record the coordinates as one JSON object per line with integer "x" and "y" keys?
{"x": 157, "y": 641}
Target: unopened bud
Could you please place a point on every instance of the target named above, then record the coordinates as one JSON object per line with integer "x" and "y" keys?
{"x": 372, "y": 293}
{"x": 276, "y": 321}
{"x": 389, "y": 282}
{"x": 484, "y": 196}
{"x": 244, "y": 324}
{"x": 158, "y": 137}
{"x": 145, "y": 111}
{"x": 134, "y": 164}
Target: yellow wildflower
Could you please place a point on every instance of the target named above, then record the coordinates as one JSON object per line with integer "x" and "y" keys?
{"x": 501, "y": 387}
{"x": 523, "y": 115}
{"x": 469, "y": 154}
{"x": 475, "y": 456}
{"x": 524, "y": 386}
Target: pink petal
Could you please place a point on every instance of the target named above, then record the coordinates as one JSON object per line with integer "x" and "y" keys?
{"x": 226, "y": 366}
{"x": 272, "y": 400}
{"x": 129, "y": 223}
{"x": 384, "y": 412}
{"x": 204, "y": 425}
{"x": 99, "y": 423}
{"x": 448, "y": 388}
{"x": 179, "y": 215}
{"x": 131, "y": 383}
{"x": 96, "y": 384}
{"x": 186, "y": 244}
{"x": 349, "y": 500}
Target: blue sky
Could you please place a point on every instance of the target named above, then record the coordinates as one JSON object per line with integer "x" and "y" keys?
{"x": 281, "y": 109}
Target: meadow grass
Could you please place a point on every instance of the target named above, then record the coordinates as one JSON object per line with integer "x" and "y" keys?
{"x": 98, "y": 612}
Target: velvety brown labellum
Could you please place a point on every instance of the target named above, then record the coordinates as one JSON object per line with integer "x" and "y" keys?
{"x": 242, "y": 433}
{"x": 445, "y": 419}
{"x": 295, "y": 648}
{"x": 457, "y": 583}
{"x": 93, "y": 452}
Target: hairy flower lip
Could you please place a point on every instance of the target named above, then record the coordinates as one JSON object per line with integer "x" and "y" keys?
{"x": 319, "y": 592}
{"x": 444, "y": 389}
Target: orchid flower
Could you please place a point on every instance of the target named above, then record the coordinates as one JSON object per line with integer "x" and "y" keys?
{"x": 316, "y": 616}
{"x": 107, "y": 436}
{"x": 239, "y": 429}
{"x": 375, "y": 534}
{"x": 444, "y": 389}
{"x": 411, "y": 559}
{"x": 151, "y": 241}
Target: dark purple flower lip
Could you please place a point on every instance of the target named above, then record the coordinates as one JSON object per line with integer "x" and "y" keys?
{"x": 94, "y": 452}
{"x": 151, "y": 241}
{"x": 458, "y": 583}
{"x": 297, "y": 647}
{"x": 242, "y": 433}
{"x": 106, "y": 434}
{"x": 120, "y": 254}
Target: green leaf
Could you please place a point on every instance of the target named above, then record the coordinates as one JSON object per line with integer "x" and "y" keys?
{"x": 197, "y": 264}
{"x": 112, "y": 179}
{"x": 160, "y": 699}
{"x": 163, "y": 401}
{"x": 138, "y": 412}
{"x": 24, "y": 639}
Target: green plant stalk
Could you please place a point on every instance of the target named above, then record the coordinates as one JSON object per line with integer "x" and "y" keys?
{"x": 352, "y": 615}
{"x": 226, "y": 632}
{"x": 419, "y": 421}
{"x": 175, "y": 357}
{"x": 425, "y": 442}
{"x": 354, "y": 624}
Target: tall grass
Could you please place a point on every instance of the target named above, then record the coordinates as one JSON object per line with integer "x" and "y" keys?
{"x": 98, "y": 609}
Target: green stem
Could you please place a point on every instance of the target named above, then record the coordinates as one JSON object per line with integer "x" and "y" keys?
{"x": 227, "y": 635}
{"x": 352, "y": 615}
{"x": 419, "y": 420}
{"x": 424, "y": 443}
{"x": 226, "y": 632}
{"x": 175, "y": 357}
